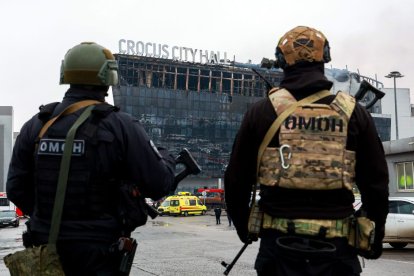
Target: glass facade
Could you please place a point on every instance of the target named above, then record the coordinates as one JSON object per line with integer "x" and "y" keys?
{"x": 383, "y": 126}
{"x": 196, "y": 106}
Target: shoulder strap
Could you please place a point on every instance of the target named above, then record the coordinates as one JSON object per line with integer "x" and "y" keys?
{"x": 63, "y": 176}
{"x": 70, "y": 109}
{"x": 344, "y": 103}
{"x": 281, "y": 99}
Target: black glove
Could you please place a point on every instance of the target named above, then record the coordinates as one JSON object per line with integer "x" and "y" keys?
{"x": 252, "y": 237}
{"x": 246, "y": 237}
{"x": 27, "y": 237}
{"x": 373, "y": 254}
{"x": 243, "y": 235}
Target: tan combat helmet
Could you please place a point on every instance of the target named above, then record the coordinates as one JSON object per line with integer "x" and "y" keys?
{"x": 302, "y": 44}
{"x": 90, "y": 64}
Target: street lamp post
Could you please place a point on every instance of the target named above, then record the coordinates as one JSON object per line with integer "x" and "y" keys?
{"x": 395, "y": 74}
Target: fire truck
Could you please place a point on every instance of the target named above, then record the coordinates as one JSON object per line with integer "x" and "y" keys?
{"x": 6, "y": 204}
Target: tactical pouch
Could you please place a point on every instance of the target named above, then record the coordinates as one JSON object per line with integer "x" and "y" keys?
{"x": 132, "y": 207}
{"x": 255, "y": 220}
{"x": 35, "y": 261}
{"x": 305, "y": 256}
{"x": 362, "y": 233}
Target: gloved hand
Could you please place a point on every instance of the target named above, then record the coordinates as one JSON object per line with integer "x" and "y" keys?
{"x": 376, "y": 247}
{"x": 243, "y": 235}
{"x": 246, "y": 237}
{"x": 374, "y": 253}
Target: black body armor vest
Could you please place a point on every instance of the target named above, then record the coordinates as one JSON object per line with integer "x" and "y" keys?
{"x": 88, "y": 193}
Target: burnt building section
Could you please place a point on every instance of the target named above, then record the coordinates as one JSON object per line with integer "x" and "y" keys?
{"x": 192, "y": 105}
{"x": 200, "y": 106}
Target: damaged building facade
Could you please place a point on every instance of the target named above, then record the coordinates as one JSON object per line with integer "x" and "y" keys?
{"x": 192, "y": 105}
{"x": 196, "y": 102}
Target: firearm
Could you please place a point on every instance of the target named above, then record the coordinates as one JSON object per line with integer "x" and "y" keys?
{"x": 127, "y": 248}
{"x": 268, "y": 64}
{"x": 152, "y": 212}
{"x": 366, "y": 99}
{"x": 127, "y": 245}
{"x": 230, "y": 266}
{"x": 190, "y": 167}
{"x": 268, "y": 84}
{"x": 362, "y": 96}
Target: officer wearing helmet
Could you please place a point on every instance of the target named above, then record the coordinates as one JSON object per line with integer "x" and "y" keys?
{"x": 110, "y": 148}
{"x": 307, "y": 149}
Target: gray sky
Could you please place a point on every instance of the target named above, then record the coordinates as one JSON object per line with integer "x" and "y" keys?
{"x": 372, "y": 36}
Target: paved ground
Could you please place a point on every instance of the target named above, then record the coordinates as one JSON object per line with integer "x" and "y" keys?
{"x": 195, "y": 245}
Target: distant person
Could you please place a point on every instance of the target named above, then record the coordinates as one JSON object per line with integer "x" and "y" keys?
{"x": 112, "y": 148}
{"x": 228, "y": 217}
{"x": 306, "y": 168}
{"x": 217, "y": 212}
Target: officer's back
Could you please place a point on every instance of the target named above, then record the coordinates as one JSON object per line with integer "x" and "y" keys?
{"x": 111, "y": 148}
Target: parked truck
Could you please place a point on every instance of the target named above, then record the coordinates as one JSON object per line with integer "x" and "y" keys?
{"x": 211, "y": 197}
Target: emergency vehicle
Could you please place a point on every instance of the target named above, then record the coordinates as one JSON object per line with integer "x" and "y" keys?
{"x": 183, "y": 203}
{"x": 7, "y": 205}
{"x": 211, "y": 197}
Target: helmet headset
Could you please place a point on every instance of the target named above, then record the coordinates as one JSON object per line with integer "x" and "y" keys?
{"x": 302, "y": 44}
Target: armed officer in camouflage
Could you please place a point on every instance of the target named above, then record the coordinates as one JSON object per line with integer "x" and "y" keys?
{"x": 110, "y": 148}
{"x": 307, "y": 168}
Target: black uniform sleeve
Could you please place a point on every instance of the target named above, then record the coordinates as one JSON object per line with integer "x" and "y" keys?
{"x": 240, "y": 175}
{"x": 20, "y": 179}
{"x": 152, "y": 168}
{"x": 371, "y": 173}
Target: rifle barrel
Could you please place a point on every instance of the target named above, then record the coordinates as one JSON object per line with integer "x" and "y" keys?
{"x": 230, "y": 266}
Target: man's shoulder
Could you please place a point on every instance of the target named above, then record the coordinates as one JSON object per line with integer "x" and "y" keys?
{"x": 118, "y": 114}
{"x": 260, "y": 104}
{"x": 31, "y": 128}
{"x": 120, "y": 120}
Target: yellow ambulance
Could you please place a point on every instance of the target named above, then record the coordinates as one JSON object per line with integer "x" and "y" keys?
{"x": 183, "y": 203}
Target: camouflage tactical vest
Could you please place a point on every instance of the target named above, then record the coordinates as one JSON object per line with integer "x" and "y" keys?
{"x": 312, "y": 153}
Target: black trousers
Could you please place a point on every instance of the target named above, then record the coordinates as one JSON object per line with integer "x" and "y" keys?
{"x": 272, "y": 260}
{"x": 86, "y": 257}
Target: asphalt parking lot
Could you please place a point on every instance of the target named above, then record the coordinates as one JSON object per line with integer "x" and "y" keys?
{"x": 196, "y": 245}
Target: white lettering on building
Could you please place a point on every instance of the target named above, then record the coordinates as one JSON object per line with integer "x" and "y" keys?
{"x": 177, "y": 53}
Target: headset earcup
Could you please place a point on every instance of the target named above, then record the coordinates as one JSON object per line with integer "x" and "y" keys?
{"x": 326, "y": 52}
{"x": 280, "y": 59}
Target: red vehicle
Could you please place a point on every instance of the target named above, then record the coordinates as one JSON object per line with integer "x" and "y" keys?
{"x": 211, "y": 197}
{"x": 6, "y": 204}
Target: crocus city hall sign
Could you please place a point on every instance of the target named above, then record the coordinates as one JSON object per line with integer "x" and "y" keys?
{"x": 187, "y": 54}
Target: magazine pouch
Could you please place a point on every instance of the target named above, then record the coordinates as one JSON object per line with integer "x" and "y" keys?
{"x": 35, "y": 261}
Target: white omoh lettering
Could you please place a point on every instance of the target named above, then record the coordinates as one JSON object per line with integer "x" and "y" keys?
{"x": 77, "y": 148}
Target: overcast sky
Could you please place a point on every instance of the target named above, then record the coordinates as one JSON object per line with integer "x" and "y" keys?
{"x": 372, "y": 36}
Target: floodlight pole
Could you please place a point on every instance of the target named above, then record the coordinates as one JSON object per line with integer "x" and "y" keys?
{"x": 394, "y": 75}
